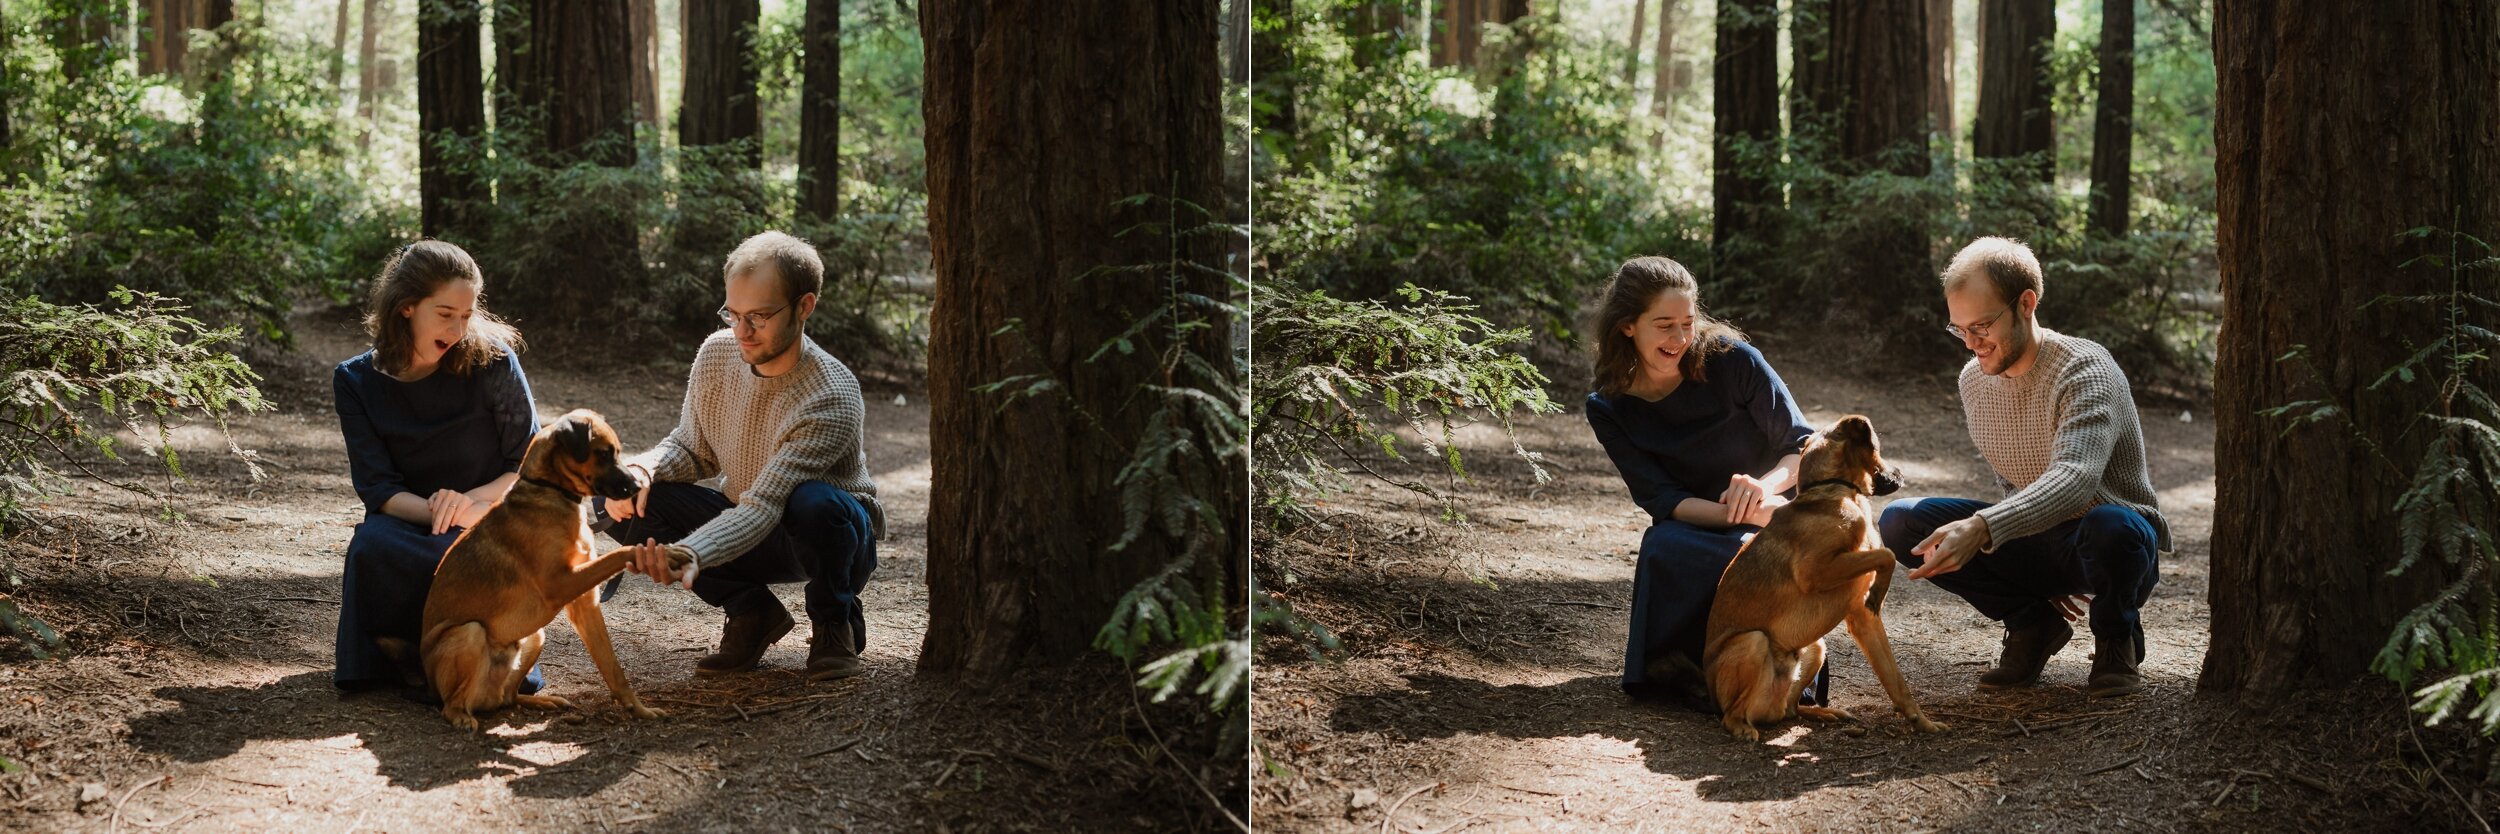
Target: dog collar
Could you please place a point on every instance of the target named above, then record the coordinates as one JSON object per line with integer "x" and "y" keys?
{"x": 1830, "y": 481}
{"x": 552, "y": 485}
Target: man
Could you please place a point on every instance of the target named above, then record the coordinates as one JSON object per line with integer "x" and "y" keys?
{"x": 2054, "y": 417}
{"x": 779, "y": 420}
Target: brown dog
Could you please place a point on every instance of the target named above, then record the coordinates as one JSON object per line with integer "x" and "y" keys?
{"x": 504, "y": 580}
{"x": 1818, "y": 564}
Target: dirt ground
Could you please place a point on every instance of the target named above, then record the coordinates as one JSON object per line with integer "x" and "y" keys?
{"x": 1478, "y": 686}
{"x": 198, "y": 697}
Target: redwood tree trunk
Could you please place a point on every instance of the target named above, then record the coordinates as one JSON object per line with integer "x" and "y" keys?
{"x": 2319, "y": 167}
{"x": 1040, "y": 117}
{"x": 451, "y": 104}
{"x": 338, "y": 46}
{"x": 1940, "y": 69}
{"x": 1810, "y": 83}
{"x": 645, "y": 20}
{"x": 1879, "y": 80}
{"x": 2113, "y": 120}
{"x": 1632, "y": 50}
{"x": 580, "y": 65}
{"x": 720, "y": 103}
{"x": 820, "y": 111}
{"x": 1744, "y": 109}
{"x": 1662, "y": 83}
{"x": 368, "y": 70}
{"x": 2014, "y": 114}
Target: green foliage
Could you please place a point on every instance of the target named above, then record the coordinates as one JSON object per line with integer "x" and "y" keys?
{"x": 228, "y": 188}
{"x": 75, "y": 373}
{"x": 2451, "y": 508}
{"x": 1327, "y": 370}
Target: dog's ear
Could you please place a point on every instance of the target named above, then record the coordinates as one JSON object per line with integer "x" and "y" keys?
{"x": 573, "y": 437}
{"x": 1855, "y": 428}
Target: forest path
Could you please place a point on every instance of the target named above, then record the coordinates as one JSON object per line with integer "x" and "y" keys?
{"x": 1476, "y": 706}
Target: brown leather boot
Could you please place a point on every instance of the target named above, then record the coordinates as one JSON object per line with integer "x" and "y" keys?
{"x": 830, "y": 655}
{"x": 2026, "y": 652}
{"x": 2114, "y": 670}
{"x": 743, "y": 639}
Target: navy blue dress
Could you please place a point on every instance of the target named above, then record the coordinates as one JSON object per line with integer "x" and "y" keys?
{"x": 1687, "y": 445}
{"x": 446, "y": 431}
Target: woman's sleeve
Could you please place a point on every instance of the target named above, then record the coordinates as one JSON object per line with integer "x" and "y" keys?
{"x": 369, "y": 464}
{"x": 516, "y": 416}
{"x": 1771, "y": 406}
{"x": 1651, "y": 488}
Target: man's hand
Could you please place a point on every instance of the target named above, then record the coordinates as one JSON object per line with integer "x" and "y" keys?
{"x": 1743, "y": 497}
{"x": 622, "y": 510}
{"x": 662, "y": 562}
{"x": 2073, "y": 608}
{"x": 1951, "y": 546}
{"x": 450, "y": 509}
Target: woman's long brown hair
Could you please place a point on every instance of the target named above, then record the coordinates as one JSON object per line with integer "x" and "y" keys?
{"x": 414, "y": 272}
{"x": 1636, "y": 285}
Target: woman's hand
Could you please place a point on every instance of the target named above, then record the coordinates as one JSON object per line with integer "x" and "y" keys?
{"x": 1744, "y": 499}
{"x": 1761, "y": 515}
{"x": 476, "y": 512}
{"x": 446, "y": 507}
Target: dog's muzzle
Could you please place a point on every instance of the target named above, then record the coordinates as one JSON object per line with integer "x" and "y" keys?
{"x": 1888, "y": 482}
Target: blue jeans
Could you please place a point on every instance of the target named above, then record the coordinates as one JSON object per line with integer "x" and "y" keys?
{"x": 2108, "y": 553}
{"x": 825, "y": 539}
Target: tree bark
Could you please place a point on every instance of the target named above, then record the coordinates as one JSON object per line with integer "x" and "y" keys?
{"x": 579, "y": 56}
{"x": 1632, "y": 50}
{"x": 820, "y": 111}
{"x": 220, "y": 13}
{"x": 1940, "y": 70}
{"x": 1236, "y": 41}
{"x": 1744, "y": 109}
{"x": 1663, "y": 84}
{"x": 1039, "y": 119}
{"x": 2113, "y": 119}
{"x": 1879, "y": 74}
{"x": 2014, "y": 110}
{"x": 451, "y": 106}
{"x": 1810, "y": 83}
{"x": 1272, "y": 67}
{"x": 645, "y": 20}
{"x": 368, "y": 70}
{"x": 2320, "y": 164}
{"x": 520, "y": 98}
{"x": 338, "y": 46}
{"x": 720, "y": 96}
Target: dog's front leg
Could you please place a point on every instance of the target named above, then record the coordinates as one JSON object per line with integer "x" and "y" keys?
{"x": 593, "y": 627}
{"x": 1867, "y": 627}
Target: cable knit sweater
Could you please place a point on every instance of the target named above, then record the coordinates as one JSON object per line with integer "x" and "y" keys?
{"x": 2063, "y": 438}
{"x": 765, "y": 436}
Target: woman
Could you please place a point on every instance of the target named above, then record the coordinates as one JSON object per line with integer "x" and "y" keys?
{"x": 435, "y": 416}
{"x": 1707, "y": 438}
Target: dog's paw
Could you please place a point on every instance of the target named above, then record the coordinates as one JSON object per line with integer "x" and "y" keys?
{"x": 1744, "y": 732}
{"x": 542, "y": 702}
{"x": 462, "y": 720}
{"x": 1924, "y": 725}
{"x": 1825, "y": 714}
{"x": 643, "y": 712}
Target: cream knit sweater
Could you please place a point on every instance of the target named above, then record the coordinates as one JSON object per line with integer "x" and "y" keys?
{"x": 2063, "y": 438}
{"x": 765, "y": 436}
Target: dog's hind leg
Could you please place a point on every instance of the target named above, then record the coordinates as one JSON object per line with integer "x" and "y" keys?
{"x": 459, "y": 663}
{"x": 520, "y": 670}
{"x": 1809, "y": 659}
{"x": 1745, "y": 680}
{"x": 1868, "y": 628}
{"x": 583, "y": 611}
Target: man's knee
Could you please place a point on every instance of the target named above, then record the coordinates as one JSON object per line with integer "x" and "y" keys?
{"x": 1898, "y": 525}
{"x": 2117, "y": 541}
{"x": 820, "y": 506}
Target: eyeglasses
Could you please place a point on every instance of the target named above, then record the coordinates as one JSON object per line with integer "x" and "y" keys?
{"x": 754, "y": 321}
{"x": 1976, "y": 331}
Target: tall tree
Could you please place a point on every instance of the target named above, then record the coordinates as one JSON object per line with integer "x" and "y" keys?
{"x": 579, "y": 86}
{"x": 4, "y": 86}
{"x": 451, "y": 106}
{"x": 1632, "y": 51}
{"x": 1664, "y": 84}
{"x": 644, "y": 17}
{"x": 2308, "y": 228}
{"x": 1879, "y": 75}
{"x": 820, "y": 111}
{"x": 2113, "y": 119}
{"x": 1810, "y": 85}
{"x": 2014, "y": 111}
{"x": 520, "y": 98}
{"x": 338, "y": 46}
{"x": 1744, "y": 111}
{"x": 1019, "y": 210}
{"x": 368, "y": 70}
{"x": 719, "y": 105}
{"x": 1940, "y": 69}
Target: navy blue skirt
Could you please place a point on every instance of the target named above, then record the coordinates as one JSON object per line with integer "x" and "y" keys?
{"x": 1672, "y": 585}
{"x": 390, "y": 565}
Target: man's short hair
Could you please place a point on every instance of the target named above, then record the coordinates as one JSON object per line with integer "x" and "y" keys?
{"x": 801, "y": 271}
{"x": 2004, "y": 263}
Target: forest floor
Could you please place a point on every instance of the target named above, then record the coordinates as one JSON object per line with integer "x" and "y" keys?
{"x": 1477, "y": 689}
{"x": 197, "y": 694}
